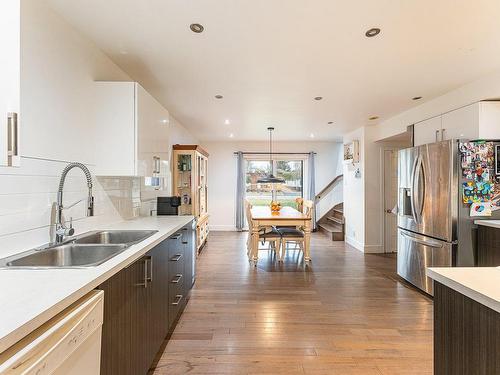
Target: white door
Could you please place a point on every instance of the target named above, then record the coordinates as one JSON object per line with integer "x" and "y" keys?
{"x": 461, "y": 123}
{"x": 428, "y": 131}
{"x": 390, "y": 200}
{"x": 10, "y": 75}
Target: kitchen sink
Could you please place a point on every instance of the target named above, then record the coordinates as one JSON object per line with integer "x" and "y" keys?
{"x": 86, "y": 250}
{"x": 127, "y": 237}
{"x": 66, "y": 256}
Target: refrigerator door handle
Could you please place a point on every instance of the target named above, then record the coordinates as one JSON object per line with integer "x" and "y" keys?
{"x": 413, "y": 189}
{"x": 429, "y": 243}
{"x": 420, "y": 173}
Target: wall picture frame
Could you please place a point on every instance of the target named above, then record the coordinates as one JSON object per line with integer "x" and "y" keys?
{"x": 351, "y": 152}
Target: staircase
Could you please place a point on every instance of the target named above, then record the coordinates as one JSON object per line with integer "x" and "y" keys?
{"x": 332, "y": 224}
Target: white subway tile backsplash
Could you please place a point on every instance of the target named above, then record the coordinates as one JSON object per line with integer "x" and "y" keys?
{"x": 28, "y": 193}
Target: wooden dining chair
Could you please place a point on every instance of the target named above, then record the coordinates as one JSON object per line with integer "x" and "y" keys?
{"x": 266, "y": 234}
{"x": 295, "y": 235}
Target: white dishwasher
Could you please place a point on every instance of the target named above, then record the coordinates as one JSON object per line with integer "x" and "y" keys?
{"x": 68, "y": 344}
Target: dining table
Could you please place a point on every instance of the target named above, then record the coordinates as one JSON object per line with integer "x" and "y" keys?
{"x": 263, "y": 216}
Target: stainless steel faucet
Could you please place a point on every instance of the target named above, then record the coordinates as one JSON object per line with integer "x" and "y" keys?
{"x": 61, "y": 229}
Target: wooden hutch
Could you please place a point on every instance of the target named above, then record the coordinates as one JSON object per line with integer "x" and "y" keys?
{"x": 190, "y": 166}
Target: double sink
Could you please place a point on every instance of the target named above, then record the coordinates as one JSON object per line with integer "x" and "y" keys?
{"x": 86, "y": 250}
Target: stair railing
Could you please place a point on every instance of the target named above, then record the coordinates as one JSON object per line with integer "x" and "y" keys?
{"x": 328, "y": 188}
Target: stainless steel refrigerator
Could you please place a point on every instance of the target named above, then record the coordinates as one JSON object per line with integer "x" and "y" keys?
{"x": 434, "y": 226}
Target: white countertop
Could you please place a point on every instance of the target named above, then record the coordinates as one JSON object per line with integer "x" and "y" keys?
{"x": 488, "y": 223}
{"x": 29, "y": 298}
{"x": 478, "y": 283}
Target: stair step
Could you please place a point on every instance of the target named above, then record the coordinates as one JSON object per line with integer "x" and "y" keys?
{"x": 340, "y": 210}
{"x": 336, "y": 220}
{"x": 330, "y": 228}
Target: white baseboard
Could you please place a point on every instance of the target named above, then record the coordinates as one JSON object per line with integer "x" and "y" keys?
{"x": 223, "y": 228}
{"x": 368, "y": 249}
{"x": 374, "y": 249}
{"x": 354, "y": 243}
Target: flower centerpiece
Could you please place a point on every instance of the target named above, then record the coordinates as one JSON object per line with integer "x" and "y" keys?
{"x": 275, "y": 206}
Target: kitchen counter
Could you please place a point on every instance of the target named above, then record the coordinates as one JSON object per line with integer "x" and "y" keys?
{"x": 466, "y": 320}
{"x": 477, "y": 283}
{"x": 488, "y": 223}
{"x": 29, "y": 298}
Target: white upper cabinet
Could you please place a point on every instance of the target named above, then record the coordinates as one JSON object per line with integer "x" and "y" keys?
{"x": 461, "y": 123}
{"x": 479, "y": 120}
{"x": 428, "y": 131}
{"x": 132, "y": 136}
{"x": 10, "y": 78}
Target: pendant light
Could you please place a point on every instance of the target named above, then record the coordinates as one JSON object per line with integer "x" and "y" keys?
{"x": 270, "y": 179}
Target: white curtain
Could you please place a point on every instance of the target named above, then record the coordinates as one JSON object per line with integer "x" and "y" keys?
{"x": 311, "y": 186}
{"x": 240, "y": 192}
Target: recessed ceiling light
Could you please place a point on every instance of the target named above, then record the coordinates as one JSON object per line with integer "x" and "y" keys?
{"x": 164, "y": 121}
{"x": 231, "y": 135}
{"x": 226, "y": 122}
{"x": 318, "y": 98}
{"x": 372, "y": 32}
{"x": 196, "y": 28}
{"x": 373, "y": 118}
{"x": 311, "y": 135}
{"x": 330, "y": 122}
{"x": 218, "y": 96}
{"x": 416, "y": 98}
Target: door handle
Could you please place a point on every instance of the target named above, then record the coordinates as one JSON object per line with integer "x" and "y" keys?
{"x": 429, "y": 243}
{"x": 412, "y": 191}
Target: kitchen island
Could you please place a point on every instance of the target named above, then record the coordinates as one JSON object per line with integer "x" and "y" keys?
{"x": 466, "y": 320}
{"x": 488, "y": 243}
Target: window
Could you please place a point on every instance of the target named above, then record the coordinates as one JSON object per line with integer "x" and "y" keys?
{"x": 261, "y": 194}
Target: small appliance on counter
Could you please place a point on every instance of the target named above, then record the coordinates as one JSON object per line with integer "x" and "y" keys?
{"x": 168, "y": 205}
{"x": 443, "y": 187}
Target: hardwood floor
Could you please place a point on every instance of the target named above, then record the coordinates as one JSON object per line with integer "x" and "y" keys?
{"x": 346, "y": 314}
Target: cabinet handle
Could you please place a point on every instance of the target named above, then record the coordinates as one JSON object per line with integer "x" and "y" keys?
{"x": 184, "y": 242}
{"x": 176, "y": 236}
{"x": 177, "y": 278}
{"x": 12, "y": 138}
{"x": 442, "y": 134}
{"x": 176, "y": 257}
{"x": 156, "y": 164}
{"x": 150, "y": 259}
{"x": 147, "y": 260}
{"x": 437, "y": 135}
{"x": 179, "y": 298}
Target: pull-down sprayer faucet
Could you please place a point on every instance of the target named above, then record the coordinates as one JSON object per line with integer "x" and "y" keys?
{"x": 61, "y": 229}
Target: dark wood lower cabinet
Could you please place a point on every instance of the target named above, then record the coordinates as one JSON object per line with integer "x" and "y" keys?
{"x": 488, "y": 249}
{"x": 141, "y": 305}
{"x": 466, "y": 335}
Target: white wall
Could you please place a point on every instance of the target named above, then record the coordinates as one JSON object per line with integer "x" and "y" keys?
{"x": 363, "y": 196}
{"x": 354, "y": 192}
{"x": 222, "y": 173}
{"x": 58, "y": 70}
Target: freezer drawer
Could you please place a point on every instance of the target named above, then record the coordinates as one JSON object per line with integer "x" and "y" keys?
{"x": 416, "y": 253}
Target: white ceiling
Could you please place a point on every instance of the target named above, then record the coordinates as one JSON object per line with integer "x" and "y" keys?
{"x": 269, "y": 58}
